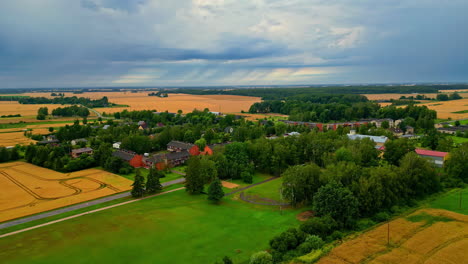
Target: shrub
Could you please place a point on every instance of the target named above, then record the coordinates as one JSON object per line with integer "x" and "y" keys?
{"x": 381, "y": 217}
{"x": 320, "y": 226}
{"x": 261, "y": 257}
{"x": 312, "y": 242}
{"x": 363, "y": 224}
{"x": 336, "y": 235}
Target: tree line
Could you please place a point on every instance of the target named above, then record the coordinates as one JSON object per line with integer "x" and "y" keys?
{"x": 103, "y": 102}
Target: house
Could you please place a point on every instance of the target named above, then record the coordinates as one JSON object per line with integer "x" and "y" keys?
{"x": 105, "y": 127}
{"x": 177, "y": 158}
{"x": 436, "y": 157}
{"x": 51, "y": 139}
{"x": 135, "y": 160}
{"x": 142, "y": 125}
{"x": 229, "y": 130}
{"x": 409, "y": 130}
{"x": 443, "y": 124}
{"x": 178, "y": 146}
{"x": 396, "y": 131}
{"x": 294, "y": 133}
{"x": 453, "y": 129}
{"x": 159, "y": 161}
{"x": 75, "y": 153}
{"x": 379, "y": 140}
{"x": 116, "y": 145}
{"x": 216, "y": 113}
{"x": 74, "y": 142}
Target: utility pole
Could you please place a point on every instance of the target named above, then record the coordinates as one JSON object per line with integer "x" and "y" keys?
{"x": 388, "y": 233}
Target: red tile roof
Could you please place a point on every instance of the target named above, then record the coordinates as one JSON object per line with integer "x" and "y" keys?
{"x": 432, "y": 153}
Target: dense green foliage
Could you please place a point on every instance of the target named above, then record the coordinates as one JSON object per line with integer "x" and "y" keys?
{"x": 73, "y": 110}
{"x": 215, "y": 191}
{"x": 9, "y": 154}
{"x": 103, "y": 102}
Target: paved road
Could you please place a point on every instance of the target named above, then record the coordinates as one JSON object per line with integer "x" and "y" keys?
{"x": 78, "y": 206}
{"x": 85, "y": 213}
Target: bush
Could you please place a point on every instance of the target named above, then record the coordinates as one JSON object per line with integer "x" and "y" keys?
{"x": 381, "y": 217}
{"x": 312, "y": 242}
{"x": 336, "y": 235}
{"x": 261, "y": 257}
{"x": 363, "y": 224}
{"x": 246, "y": 177}
{"x": 288, "y": 240}
{"x": 320, "y": 226}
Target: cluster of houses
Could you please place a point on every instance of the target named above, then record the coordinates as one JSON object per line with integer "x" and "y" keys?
{"x": 436, "y": 157}
{"x": 178, "y": 153}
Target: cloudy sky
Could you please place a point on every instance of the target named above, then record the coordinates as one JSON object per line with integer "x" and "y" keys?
{"x": 63, "y": 43}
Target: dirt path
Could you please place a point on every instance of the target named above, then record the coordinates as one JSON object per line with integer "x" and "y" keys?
{"x": 86, "y": 213}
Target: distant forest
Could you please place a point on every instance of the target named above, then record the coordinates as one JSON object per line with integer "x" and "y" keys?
{"x": 103, "y": 102}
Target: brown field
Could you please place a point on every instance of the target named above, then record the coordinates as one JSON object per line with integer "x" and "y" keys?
{"x": 13, "y": 138}
{"x": 229, "y": 185}
{"x": 27, "y": 189}
{"x": 410, "y": 242}
{"x": 445, "y": 109}
{"x": 185, "y": 102}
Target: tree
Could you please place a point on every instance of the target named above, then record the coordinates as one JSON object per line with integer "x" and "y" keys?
{"x": 138, "y": 189}
{"x": 261, "y": 257}
{"x": 51, "y": 129}
{"x": 227, "y": 260}
{"x": 337, "y": 201}
{"x": 396, "y": 149}
{"x": 457, "y": 164}
{"x": 300, "y": 183}
{"x": 457, "y": 123}
{"x": 418, "y": 175}
{"x": 201, "y": 143}
{"x": 153, "y": 184}
{"x": 193, "y": 182}
{"x": 215, "y": 191}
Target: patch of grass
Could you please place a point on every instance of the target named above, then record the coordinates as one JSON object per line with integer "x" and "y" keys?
{"x": 429, "y": 219}
{"x": 451, "y": 201}
{"x": 144, "y": 172}
{"x": 460, "y": 112}
{"x": 270, "y": 190}
{"x": 459, "y": 140}
{"x": 173, "y": 228}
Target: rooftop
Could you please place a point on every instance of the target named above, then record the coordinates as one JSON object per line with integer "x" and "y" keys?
{"x": 432, "y": 153}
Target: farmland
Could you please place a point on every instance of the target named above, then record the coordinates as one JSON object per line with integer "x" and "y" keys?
{"x": 173, "y": 228}
{"x": 28, "y": 189}
{"x": 426, "y": 236}
{"x": 446, "y": 109}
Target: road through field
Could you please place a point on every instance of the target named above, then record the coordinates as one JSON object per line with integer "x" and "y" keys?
{"x": 78, "y": 206}
{"x": 85, "y": 213}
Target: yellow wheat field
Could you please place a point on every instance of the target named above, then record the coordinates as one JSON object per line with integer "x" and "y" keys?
{"x": 13, "y": 138}
{"x": 27, "y": 189}
{"x": 410, "y": 242}
{"x": 185, "y": 102}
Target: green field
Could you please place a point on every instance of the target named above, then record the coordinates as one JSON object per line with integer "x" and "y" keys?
{"x": 144, "y": 172}
{"x": 173, "y": 228}
{"x": 451, "y": 201}
{"x": 459, "y": 140}
{"x": 270, "y": 190}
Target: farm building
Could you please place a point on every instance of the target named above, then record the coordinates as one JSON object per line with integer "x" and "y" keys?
{"x": 178, "y": 146}
{"x": 437, "y": 157}
{"x": 75, "y": 153}
{"x": 453, "y": 129}
{"x": 74, "y": 142}
{"x": 135, "y": 160}
{"x": 379, "y": 140}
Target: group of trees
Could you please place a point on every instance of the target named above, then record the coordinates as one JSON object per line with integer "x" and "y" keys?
{"x": 9, "y": 154}
{"x": 73, "y": 110}
{"x": 201, "y": 171}
{"x": 4, "y": 116}
{"x": 152, "y": 185}
{"x": 57, "y": 158}
{"x": 42, "y": 113}
{"x": 103, "y": 102}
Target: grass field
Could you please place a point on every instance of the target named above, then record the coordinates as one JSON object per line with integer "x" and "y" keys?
{"x": 27, "y": 189}
{"x": 459, "y": 140}
{"x": 173, "y": 228}
{"x": 270, "y": 190}
{"x": 430, "y": 235}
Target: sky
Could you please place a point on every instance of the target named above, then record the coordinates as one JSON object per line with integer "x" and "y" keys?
{"x": 90, "y": 43}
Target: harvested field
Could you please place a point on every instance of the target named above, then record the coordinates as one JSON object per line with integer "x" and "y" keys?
{"x": 13, "y": 138}
{"x": 185, "y": 102}
{"x": 25, "y": 110}
{"x": 426, "y": 236}
{"x": 445, "y": 109}
{"x": 229, "y": 185}
{"x": 27, "y": 189}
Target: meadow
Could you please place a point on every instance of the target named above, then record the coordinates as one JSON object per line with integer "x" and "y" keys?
{"x": 173, "y": 228}
{"x": 438, "y": 233}
{"x": 27, "y": 189}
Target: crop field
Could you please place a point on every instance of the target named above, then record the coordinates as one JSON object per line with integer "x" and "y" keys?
{"x": 172, "y": 228}
{"x": 13, "y": 138}
{"x": 185, "y": 102}
{"x": 27, "y": 189}
{"x": 394, "y": 96}
{"x": 431, "y": 235}
{"x": 446, "y": 109}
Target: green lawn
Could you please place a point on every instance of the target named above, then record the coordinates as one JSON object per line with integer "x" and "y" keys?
{"x": 459, "y": 140}
{"x": 451, "y": 201}
{"x": 173, "y": 228}
{"x": 144, "y": 172}
{"x": 257, "y": 177}
{"x": 269, "y": 190}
